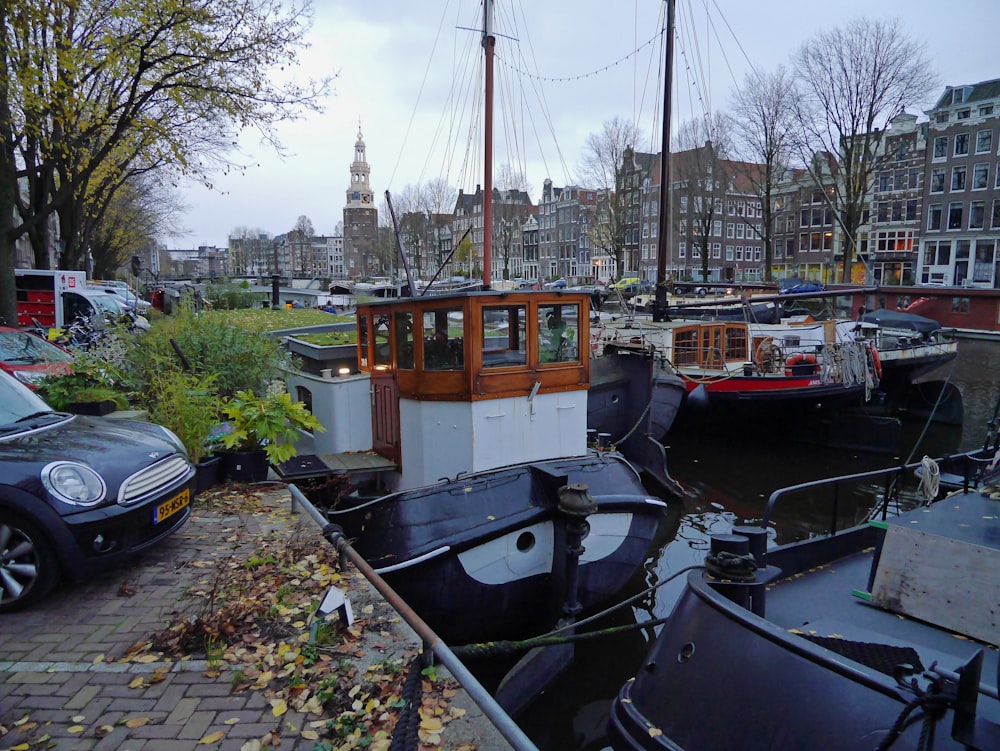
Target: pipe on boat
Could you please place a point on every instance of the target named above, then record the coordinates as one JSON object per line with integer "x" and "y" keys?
{"x": 500, "y": 719}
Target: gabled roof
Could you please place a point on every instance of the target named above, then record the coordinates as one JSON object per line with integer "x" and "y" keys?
{"x": 976, "y": 92}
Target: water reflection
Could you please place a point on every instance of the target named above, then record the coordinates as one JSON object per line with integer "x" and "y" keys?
{"x": 728, "y": 477}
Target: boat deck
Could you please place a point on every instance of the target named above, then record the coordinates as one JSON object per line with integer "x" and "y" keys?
{"x": 804, "y": 603}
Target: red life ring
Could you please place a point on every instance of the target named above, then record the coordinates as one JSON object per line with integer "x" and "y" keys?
{"x": 800, "y": 358}
{"x": 876, "y": 362}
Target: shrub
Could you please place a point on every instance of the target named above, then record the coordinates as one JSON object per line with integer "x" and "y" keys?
{"x": 206, "y": 344}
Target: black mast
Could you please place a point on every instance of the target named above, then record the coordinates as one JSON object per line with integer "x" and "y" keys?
{"x": 662, "y": 247}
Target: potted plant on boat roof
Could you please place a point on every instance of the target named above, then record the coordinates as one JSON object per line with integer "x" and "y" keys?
{"x": 263, "y": 429}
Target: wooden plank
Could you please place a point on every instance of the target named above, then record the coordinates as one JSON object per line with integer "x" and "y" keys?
{"x": 945, "y": 581}
{"x": 361, "y": 461}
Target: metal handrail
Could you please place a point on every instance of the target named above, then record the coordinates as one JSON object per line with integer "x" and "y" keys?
{"x": 890, "y": 475}
{"x": 500, "y": 719}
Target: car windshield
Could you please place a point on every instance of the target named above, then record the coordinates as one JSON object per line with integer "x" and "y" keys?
{"x": 106, "y": 304}
{"x": 18, "y": 402}
{"x": 20, "y": 348}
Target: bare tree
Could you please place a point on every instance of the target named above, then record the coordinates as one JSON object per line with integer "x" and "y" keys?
{"x": 300, "y": 239}
{"x": 144, "y": 211}
{"x": 764, "y": 111}
{"x": 511, "y": 202}
{"x": 700, "y": 148}
{"x": 855, "y": 80}
{"x": 602, "y": 167}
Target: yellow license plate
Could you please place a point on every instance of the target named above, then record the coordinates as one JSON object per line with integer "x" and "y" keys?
{"x": 171, "y": 507}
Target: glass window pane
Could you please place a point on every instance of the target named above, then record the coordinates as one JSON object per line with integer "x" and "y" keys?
{"x": 444, "y": 340}
{"x": 558, "y": 333}
{"x": 504, "y": 335}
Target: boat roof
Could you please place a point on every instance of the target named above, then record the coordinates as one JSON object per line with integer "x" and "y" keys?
{"x": 897, "y": 319}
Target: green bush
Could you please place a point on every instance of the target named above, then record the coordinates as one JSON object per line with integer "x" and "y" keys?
{"x": 92, "y": 380}
{"x": 206, "y": 344}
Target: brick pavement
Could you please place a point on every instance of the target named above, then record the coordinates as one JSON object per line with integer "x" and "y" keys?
{"x": 62, "y": 673}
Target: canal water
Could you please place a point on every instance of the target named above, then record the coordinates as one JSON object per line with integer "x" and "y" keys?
{"x": 727, "y": 477}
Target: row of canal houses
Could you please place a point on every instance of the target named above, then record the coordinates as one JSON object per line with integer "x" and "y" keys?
{"x": 933, "y": 217}
{"x": 933, "y": 214}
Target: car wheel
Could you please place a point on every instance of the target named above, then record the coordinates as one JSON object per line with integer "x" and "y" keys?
{"x": 28, "y": 567}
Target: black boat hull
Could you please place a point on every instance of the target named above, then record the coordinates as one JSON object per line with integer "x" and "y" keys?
{"x": 481, "y": 558}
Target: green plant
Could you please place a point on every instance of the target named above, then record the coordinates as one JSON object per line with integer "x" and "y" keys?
{"x": 187, "y": 404}
{"x": 209, "y": 343}
{"x": 269, "y": 423}
{"x": 89, "y": 381}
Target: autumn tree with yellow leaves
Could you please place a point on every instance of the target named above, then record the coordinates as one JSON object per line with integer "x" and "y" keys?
{"x": 95, "y": 92}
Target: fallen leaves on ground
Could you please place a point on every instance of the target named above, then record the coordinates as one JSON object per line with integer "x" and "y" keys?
{"x": 252, "y": 612}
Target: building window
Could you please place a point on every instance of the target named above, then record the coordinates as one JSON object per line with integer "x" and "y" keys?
{"x": 976, "y": 214}
{"x": 941, "y": 147}
{"x": 961, "y": 144}
{"x": 984, "y": 141}
{"x": 958, "y": 178}
{"x": 937, "y": 180}
{"x": 955, "y": 215}
{"x": 980, "y": 176}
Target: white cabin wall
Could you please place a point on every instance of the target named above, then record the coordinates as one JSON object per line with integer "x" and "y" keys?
{"x": 443, "y": 439}
{"x": 509, "y": 431}
{"x": 342, "y": 405}
{"x": 434, "y": 441}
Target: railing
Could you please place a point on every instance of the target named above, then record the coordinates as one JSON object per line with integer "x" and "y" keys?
{"x": 893, "y": 482}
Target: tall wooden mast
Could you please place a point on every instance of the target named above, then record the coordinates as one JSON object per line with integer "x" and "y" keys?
{"x": 489, "y": 43}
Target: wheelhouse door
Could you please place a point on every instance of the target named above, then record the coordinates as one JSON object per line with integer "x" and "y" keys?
{"x": 385, "y": 392}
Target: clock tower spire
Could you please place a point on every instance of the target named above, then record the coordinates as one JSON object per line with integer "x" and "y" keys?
{"x": 359, "y": 194}
{"x": 360, "y": 217}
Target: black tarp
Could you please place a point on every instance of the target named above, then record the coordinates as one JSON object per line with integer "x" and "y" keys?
{"x": 897, "y": 319}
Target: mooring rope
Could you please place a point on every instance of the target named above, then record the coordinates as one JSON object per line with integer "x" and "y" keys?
{"x": 558, "y": 636}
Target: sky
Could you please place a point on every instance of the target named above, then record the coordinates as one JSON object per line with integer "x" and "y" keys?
{"x": 568, "y": 66}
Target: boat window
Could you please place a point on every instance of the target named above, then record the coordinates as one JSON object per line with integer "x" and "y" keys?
{"x": 736, "y": 343}
{"x": 504, "y": 335}
{"x": 363, "y": 341}
{"x": 558, "y": 329}
{"x": 380, "y": 335}
{"x": 404, "y": 341}
{"x": 444, "y": 342}
{"x": 686, "y": 347}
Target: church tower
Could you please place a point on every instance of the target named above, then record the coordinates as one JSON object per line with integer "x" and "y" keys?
{"x": 360, "y": 218}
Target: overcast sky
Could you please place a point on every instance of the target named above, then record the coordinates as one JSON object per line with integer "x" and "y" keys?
{"x": 589, "y": 60}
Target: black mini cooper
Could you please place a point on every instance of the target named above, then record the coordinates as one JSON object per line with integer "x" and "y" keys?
{"x": 79, "y": 494}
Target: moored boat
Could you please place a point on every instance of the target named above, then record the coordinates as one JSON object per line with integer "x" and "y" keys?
{"x": 882, "y": 635}
{"x": 479, "y": 421}
{"x": 734, "y": 369}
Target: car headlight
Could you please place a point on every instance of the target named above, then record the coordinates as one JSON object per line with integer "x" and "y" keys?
{"x": 74, "y": 483}
{"x": 29, "y": 377}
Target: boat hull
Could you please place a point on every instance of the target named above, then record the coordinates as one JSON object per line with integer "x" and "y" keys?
{"x": 480, "y": 558}
{"x": 833, "y": 642}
